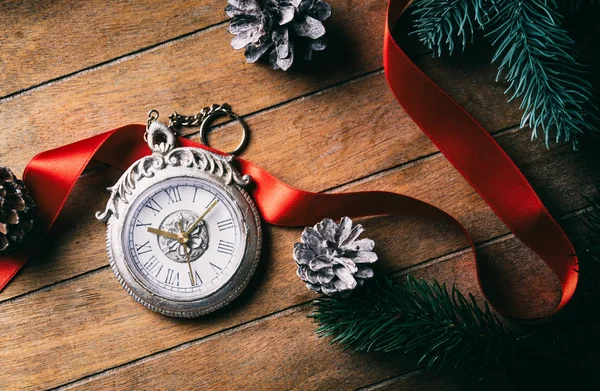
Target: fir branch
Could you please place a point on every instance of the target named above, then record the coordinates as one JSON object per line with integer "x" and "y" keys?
{"x": 542, "y": 68}
{"x": 447, "y": 329}
{"x": 444, "y": 24}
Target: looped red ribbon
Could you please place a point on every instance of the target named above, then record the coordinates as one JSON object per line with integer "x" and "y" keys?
{"x": 52, "y": 174}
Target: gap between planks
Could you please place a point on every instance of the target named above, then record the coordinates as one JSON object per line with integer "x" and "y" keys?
{"x": 274, "y": 315}
{"x": 372, "y": 176}
{"x": 110, "y": 62}
{"x": 185, "y": 345}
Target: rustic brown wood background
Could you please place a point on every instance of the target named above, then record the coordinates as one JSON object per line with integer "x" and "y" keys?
{"x": 72, "y": 69}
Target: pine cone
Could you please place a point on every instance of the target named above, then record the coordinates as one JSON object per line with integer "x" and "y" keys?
{"x": 278, "y": 29}
{"x": 330, "y": 258}
{"x": 17, "y": 210}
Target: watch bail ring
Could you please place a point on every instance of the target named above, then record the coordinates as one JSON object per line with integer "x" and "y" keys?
{"x": 224, "y": 110}
{"x": 159, "y": 137}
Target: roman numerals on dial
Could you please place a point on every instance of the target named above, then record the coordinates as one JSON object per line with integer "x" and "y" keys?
{"x": 215, "y": 268}
{"x": 153, "y": 206}
{"x": 197, "y": 280}
{"x": 173, "y": 194}
{"x": 225, "y": 247}
{"x": 151, "y": 264}
{"x": 151, "y": 239}
{"x": 143, "y": 248}
{"x": 172, "y": 277}
{"x": 225, "y": 224}
{"x": 211, "y": 201}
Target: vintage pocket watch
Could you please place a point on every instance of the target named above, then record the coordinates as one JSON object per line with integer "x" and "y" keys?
{"x": 183, "y": 236}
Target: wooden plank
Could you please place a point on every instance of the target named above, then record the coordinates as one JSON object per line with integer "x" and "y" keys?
{"x": 335, "y": 121}
{"x": 90, "y": 324}
{"x": 210, "y": 72}
{"x": 429, "y": 177}
{"x": 49, "y": 39}
{"x": 354, "y": 130}
{"x": 279, "y": 351}
{"x": 345, "y": 370}
{"x": 278, "y": 354}
{"x": 113, "y": 331}
{"x": 331, "y": 169}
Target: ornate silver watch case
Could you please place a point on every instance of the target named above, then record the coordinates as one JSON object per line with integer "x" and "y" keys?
{"x": 167, "y": 162}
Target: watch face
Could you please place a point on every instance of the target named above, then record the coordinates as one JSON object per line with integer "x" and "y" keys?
{"x": 184, "y": 238}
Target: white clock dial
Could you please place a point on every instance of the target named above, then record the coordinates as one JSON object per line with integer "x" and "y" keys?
{"x": 175, "y": 251}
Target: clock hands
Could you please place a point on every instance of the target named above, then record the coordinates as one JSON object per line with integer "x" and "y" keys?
{"x": 183, "y": 236}
{"x": 183, "y": 242}
{"x": 197, "y": 222}
{"x": 166, "y": 234}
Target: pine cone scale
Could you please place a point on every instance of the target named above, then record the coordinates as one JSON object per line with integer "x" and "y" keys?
{"x": 245, "y": 5}
{"x": 331, "y": 259}
{"x": 278, "y": 29}
{"x": 17, "y": 210}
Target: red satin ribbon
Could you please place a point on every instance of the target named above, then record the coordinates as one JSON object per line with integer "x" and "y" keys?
{"x": 52, "y": 174}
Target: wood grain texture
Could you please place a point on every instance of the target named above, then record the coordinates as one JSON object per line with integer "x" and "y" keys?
{"x": 279, "y": 352}
{"x": 65, "y": 260}
{"x": 313, "y": 143}
{"x": 43, "y": 40}
{"x": 90, "y": 324}
{"x": 291, "y": 358}
{"x": 319, "y": 128}
{"x": 209, "y": 72}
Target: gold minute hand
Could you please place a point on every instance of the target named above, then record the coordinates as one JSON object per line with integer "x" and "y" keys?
{"x": 187, "y": 253}
{"x": 166, "y": 234}
{"x": 193, "y": 226}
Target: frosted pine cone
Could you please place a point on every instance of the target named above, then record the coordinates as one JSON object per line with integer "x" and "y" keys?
{"x": 16, "y": 210}
{"x": 280, "y": 30}
{"x": 330, "y": 258}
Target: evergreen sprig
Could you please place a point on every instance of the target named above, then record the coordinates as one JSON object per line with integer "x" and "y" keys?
{"x": 534, "y": 52}
{"x": 542, "y": 68}
{"x": 445, "y": 24}
{"x": 444, "y": 327}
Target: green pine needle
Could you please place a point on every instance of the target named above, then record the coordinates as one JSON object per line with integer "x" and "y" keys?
{"x": 444, "y": 327}
{"x": 542, "y": 68}
{"x": 445, "y": 24}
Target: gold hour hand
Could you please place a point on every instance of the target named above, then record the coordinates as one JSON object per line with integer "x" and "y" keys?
{"x": 166, "y": 234}
{"x": 197, "y": 222}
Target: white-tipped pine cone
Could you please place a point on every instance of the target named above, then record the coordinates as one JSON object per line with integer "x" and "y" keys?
{"x": 331, "y": 259}
{"x": 280, "y": 30}
{"x": 17, "y": 210}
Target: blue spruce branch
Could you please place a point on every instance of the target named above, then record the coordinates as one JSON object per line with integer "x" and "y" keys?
{"x": 541, "y": 66}
{"x": 443, "y": 326}
{"x": 445, "y": 24}
{"x": 534, "y": 52}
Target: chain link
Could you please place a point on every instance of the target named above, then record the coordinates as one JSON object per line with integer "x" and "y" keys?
{"x": 178, "y": 120}
{"x": 202, "y": 119}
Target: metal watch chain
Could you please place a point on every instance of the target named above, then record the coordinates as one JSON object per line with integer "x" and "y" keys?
{"x": 203, "y": 119}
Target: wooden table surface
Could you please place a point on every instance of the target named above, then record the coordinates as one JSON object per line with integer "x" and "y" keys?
{"x": 72, "y": 69}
